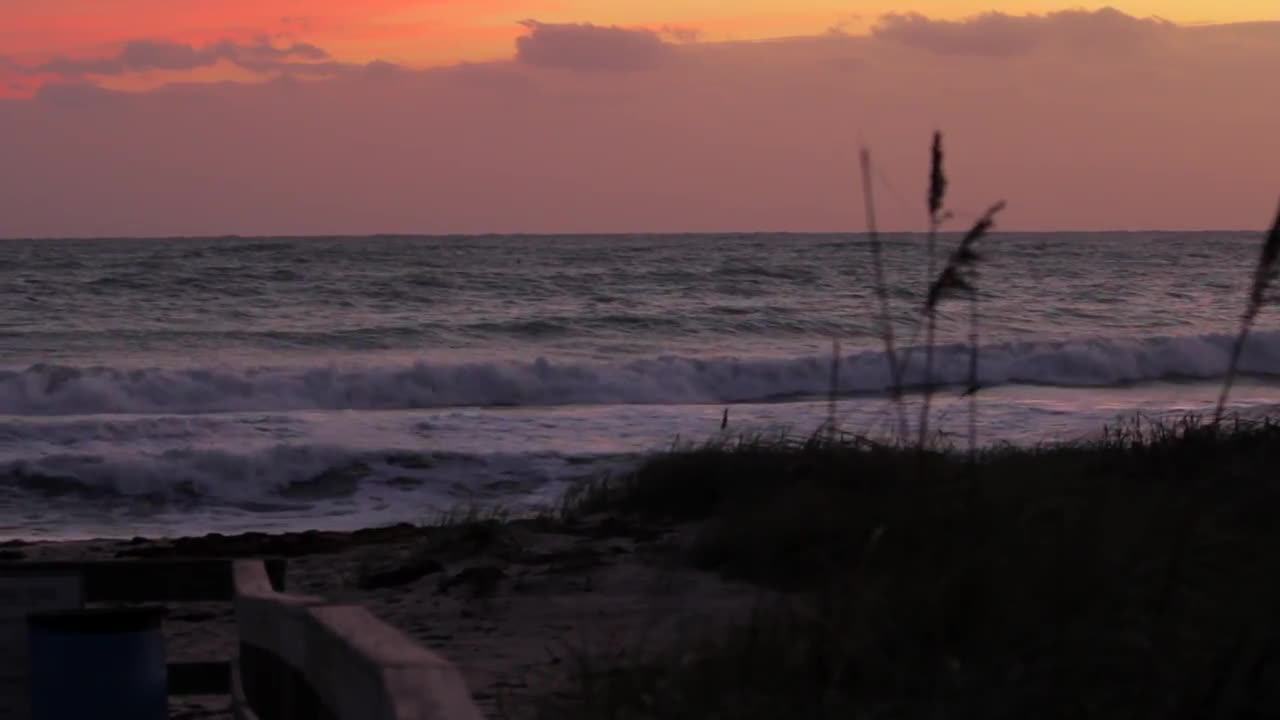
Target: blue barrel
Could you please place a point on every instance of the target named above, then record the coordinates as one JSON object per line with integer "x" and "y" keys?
{"x": 99, "y": 664}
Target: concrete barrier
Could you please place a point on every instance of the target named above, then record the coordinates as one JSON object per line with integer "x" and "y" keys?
{"x": 303, "y": 657}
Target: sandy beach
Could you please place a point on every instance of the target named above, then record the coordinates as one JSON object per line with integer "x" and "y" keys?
{"x": 515, "y": 605}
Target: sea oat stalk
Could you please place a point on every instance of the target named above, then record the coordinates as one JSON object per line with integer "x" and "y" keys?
{"x": 1263, "y": 275}
{"x": 936, "y": 196}
{"x": 882, "y": 293}
{"x": 958, "y": 275}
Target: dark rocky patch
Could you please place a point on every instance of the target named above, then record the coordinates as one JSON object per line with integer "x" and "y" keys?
{"x": 401, "y": 531}
{"x": 256, "y": 544}
{"x": 402, "y": 573}
{"x": 11, "y": 555}
{"x": 449, "y": 543}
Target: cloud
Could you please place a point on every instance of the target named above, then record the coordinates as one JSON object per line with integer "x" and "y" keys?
{"x": 999, "y": 34}
{"x": 76, "y": 94}
{"x": 583, "y": 46}
{"x": 147, "y": 55}
{"x": 734, "y": 136}
{"x": 503, "y": 77}
{"x": 843, "y": 27}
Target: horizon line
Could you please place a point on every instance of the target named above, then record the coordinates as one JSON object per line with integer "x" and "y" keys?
{"x": 630, "y": 233}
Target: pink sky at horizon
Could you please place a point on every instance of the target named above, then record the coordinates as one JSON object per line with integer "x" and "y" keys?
{"x": 150, "y": 117}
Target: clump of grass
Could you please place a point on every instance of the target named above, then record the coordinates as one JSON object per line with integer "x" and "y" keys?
{"x": 1263, "y": 275}
{"x": 1047, "y": 596}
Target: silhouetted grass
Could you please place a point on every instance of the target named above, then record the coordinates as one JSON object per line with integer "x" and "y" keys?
{"x": 960, "y": 275}
{"x": 1126, "y": 577}
{"x": 936, "y": 197}
{"x": 1073, "y": 584}
{"x": 881, "y": 288}
{"x": 1263, "y": 275}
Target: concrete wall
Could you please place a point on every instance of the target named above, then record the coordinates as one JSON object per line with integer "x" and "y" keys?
{"x": 302, "y": 657}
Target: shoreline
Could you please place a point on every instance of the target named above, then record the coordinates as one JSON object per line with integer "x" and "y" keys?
{"x": 827, "y": 576}
{"x": 156, "y": 475}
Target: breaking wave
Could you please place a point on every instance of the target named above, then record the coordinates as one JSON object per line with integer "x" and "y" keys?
{"x": 287, "y": 476}
{"x": 52, "y": 390}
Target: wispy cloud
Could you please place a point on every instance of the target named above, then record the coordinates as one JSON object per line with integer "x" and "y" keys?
{"x": 146, "y": 55}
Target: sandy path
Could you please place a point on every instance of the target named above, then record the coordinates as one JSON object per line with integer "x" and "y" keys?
{"x": 514, "y": 606}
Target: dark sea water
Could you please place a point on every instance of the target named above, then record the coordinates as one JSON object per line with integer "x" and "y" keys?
{"x": 193, "y": 385}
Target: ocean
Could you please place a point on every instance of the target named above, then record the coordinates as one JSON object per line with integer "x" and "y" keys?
{"x": 182, "y": 386}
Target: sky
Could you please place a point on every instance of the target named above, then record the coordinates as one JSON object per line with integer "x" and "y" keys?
{"x": 305, "y": 117}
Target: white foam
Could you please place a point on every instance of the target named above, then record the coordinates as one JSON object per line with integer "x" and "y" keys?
{"x": 128, "y": 475}
{"x": 49, "y": 390}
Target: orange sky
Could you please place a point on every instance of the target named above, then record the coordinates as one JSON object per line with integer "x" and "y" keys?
{"x": 436, "y": 32}
{"x": 211, "y": 117}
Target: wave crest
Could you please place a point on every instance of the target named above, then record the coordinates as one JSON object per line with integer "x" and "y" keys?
{"x": 48, "y": 390}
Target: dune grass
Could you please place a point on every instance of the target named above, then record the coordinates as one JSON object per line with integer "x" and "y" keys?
{"x": 1127, "y": 577}
{"x": 1131, "y": 576}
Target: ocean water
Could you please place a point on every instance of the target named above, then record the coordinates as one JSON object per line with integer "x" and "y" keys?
{"x": 178, "y": 386}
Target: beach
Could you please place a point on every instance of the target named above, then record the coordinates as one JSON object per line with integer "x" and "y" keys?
{"x": 831, "y": 574}
{"x": 514, "y": 605}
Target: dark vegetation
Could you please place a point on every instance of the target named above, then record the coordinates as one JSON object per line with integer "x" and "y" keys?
{"x": 1131, "y": 576}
